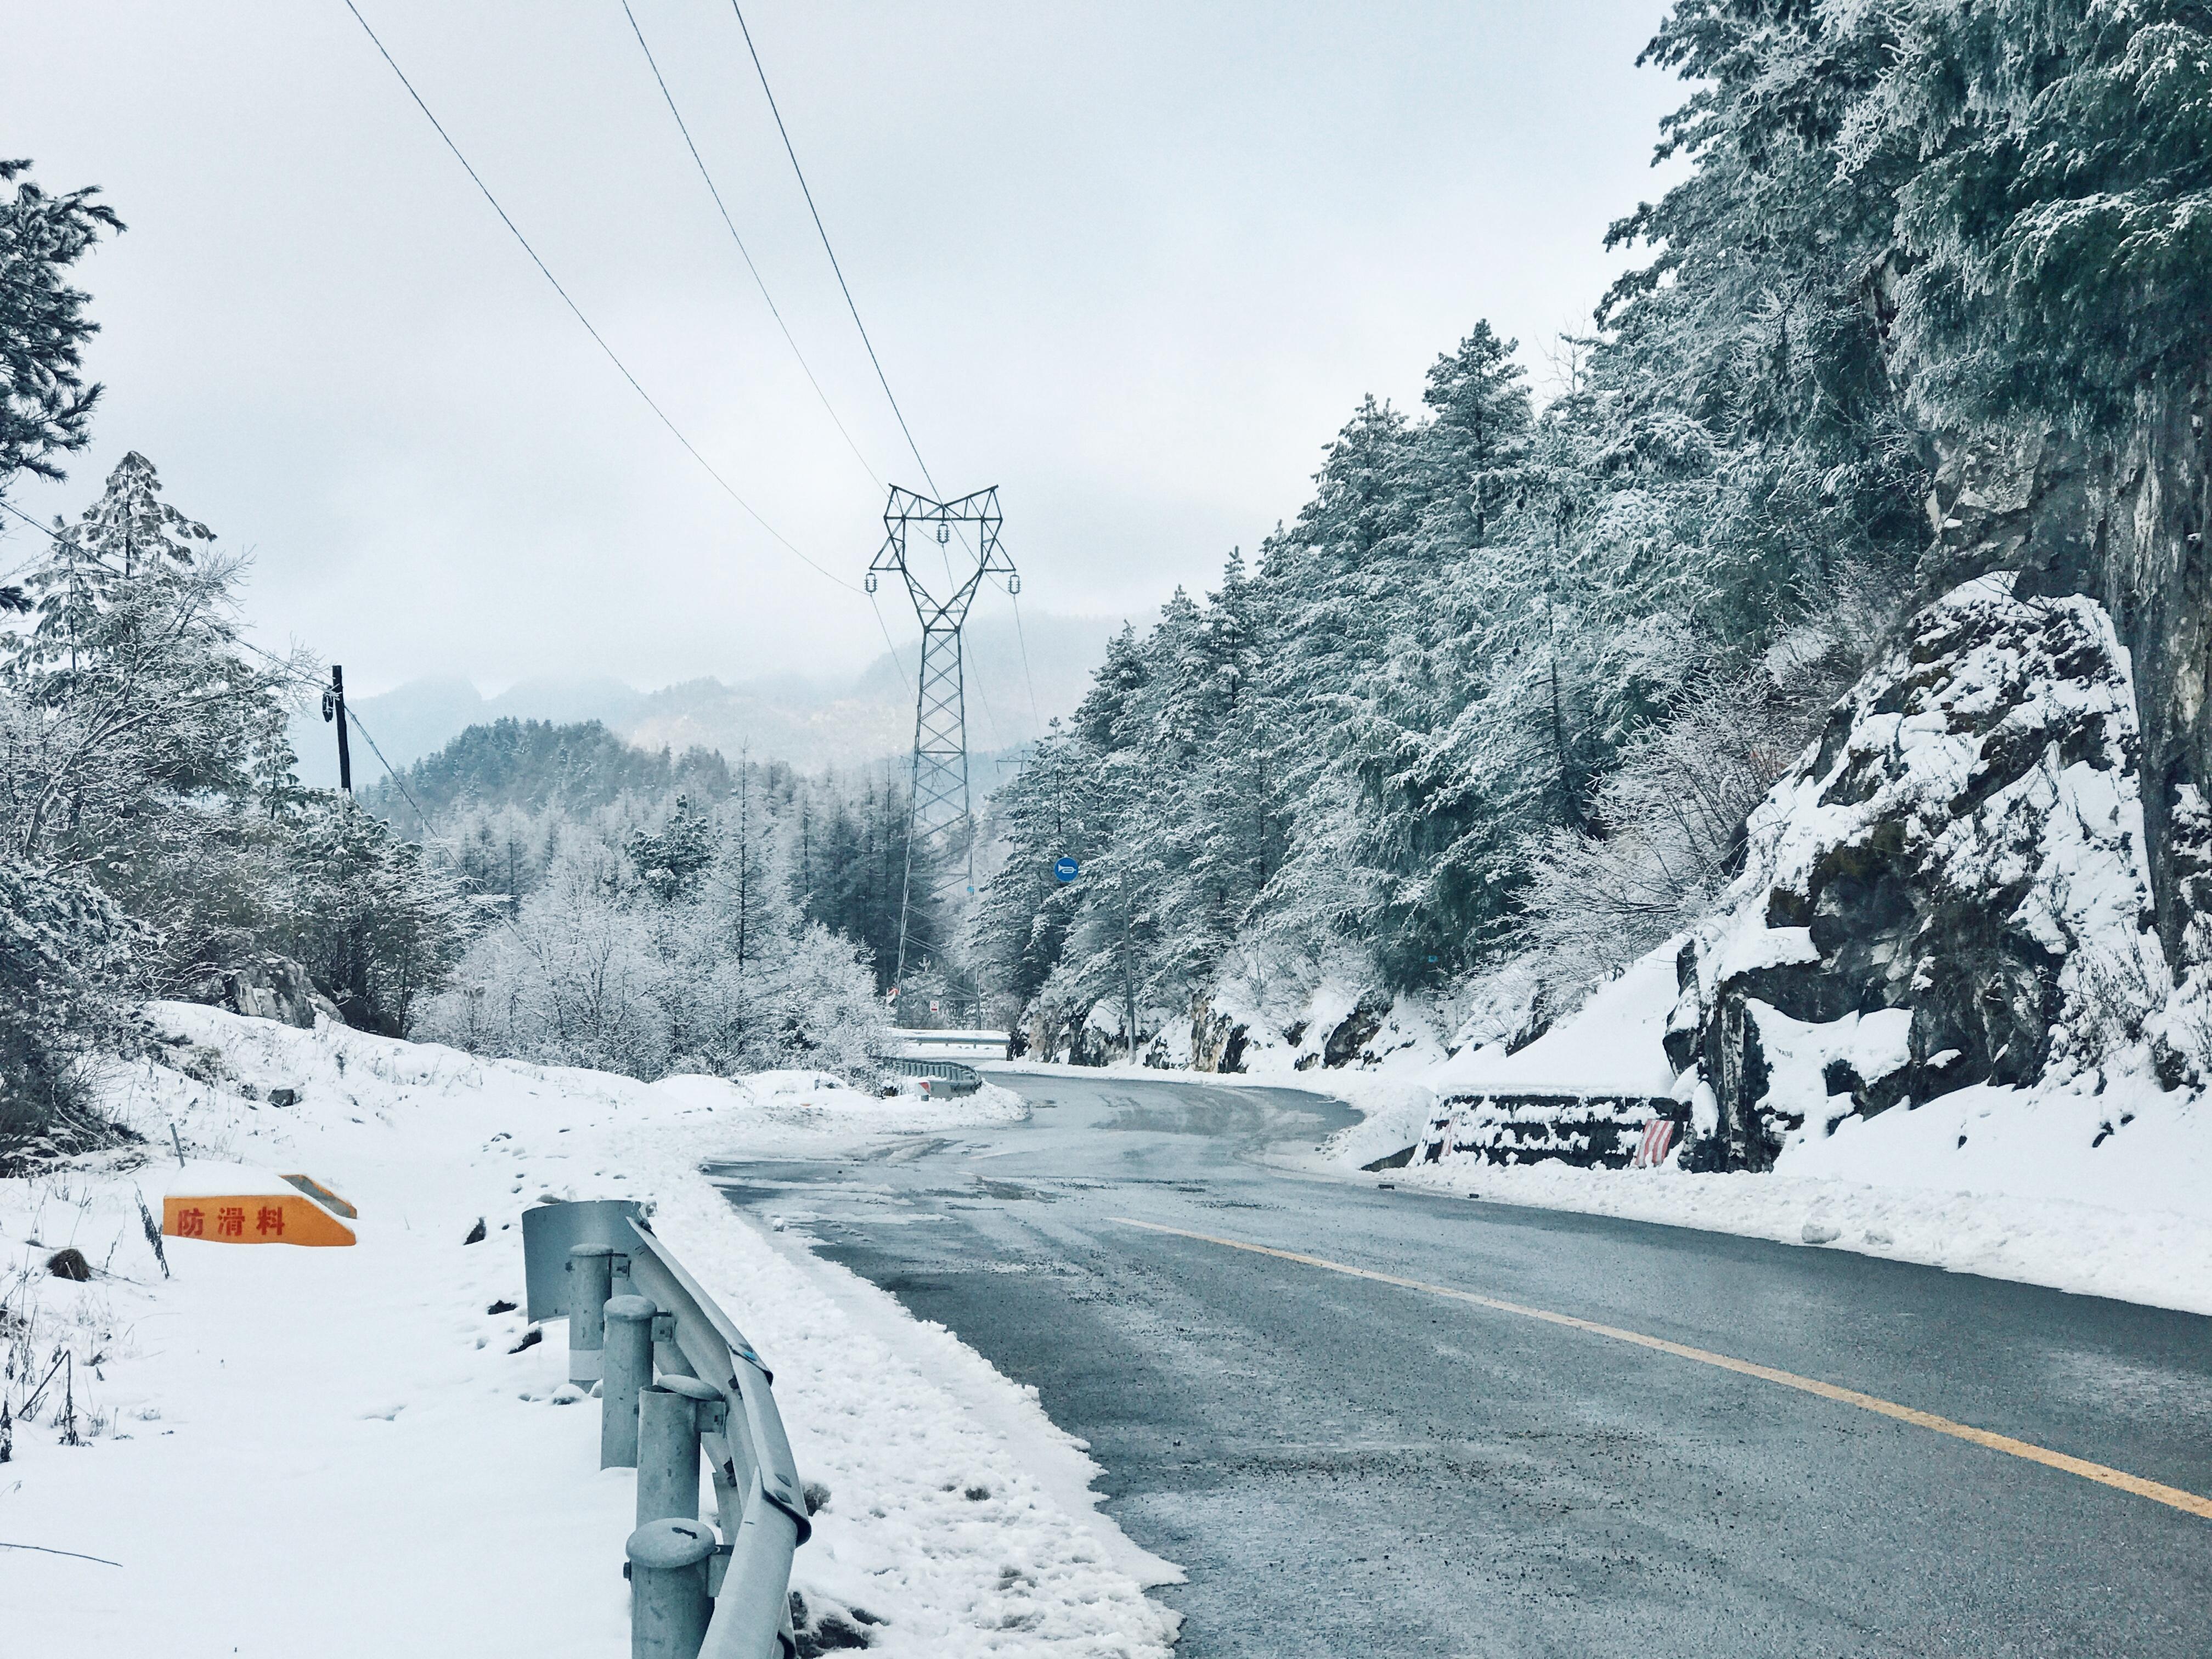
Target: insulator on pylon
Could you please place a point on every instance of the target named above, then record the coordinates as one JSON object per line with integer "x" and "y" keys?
{"x": 1013, "y": 581}
{"x": 872, "y": 581}
{"x": 944, "y": 533}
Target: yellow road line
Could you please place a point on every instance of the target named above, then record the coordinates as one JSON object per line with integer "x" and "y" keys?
{"x": 2173, "y": 1496}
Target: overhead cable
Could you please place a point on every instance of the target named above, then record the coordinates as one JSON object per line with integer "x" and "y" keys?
{"x": 882, "y": 379}
{"x": 577, "y": 311}
{"x": 823, "y": 231}
{"x": 743, "y": 252}
{"x": 1035, "y": 718}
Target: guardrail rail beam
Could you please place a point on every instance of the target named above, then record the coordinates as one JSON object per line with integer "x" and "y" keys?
{"x": 662, "y": 1342}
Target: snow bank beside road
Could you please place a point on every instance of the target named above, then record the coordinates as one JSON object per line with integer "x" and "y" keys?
{"x": 2106, "y": 1194}
{"x": 351, "y": 1448}
{"x": 1611, "y": 1045}
{"x": 2162, "y": 1258}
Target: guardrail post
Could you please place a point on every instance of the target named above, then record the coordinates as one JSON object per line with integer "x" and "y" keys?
{"x": 590, "y": 1267}
{"x": 668, "y": 1426}
{"x": 629, "y": 1371}
{"x": 668, "y": 1602}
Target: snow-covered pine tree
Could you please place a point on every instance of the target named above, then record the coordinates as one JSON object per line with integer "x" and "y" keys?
{"x": 45, "y": 407}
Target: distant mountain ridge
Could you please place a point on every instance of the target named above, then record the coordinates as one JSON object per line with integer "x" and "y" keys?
{"x": 537, "y": 764}
{"x": 809, "y": 724}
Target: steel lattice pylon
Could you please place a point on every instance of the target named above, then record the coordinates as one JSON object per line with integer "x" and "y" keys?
{"x": 941, "y": 847}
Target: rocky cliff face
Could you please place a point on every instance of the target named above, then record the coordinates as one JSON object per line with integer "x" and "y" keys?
{"x": 1954, "y": 886}
{"x": 2122, "y": 522}
{"x": 1997, "y": 864}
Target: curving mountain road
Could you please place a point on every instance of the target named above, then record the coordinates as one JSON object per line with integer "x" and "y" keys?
{"x": 1360, "y": 1418}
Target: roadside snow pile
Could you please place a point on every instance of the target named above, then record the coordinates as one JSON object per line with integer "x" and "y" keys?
{"x": 1612, "y": 1045}
{"x": 2163, "y": 1258}
{"x": 1581, "y": 1094}
{"x": 368, "y": 1443}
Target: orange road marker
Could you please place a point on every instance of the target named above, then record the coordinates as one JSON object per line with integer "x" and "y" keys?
{"x": 251, "y": 1219}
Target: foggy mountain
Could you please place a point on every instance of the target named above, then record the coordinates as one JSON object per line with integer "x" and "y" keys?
{"x": 812, "y": 724}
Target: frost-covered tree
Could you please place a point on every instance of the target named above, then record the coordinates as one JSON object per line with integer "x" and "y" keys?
{"x": 379, "y": 922}
{"x": 66, "y": 953}
{"x": 143, "y": 747}
{"x": 45, "y": 407}
{"x": 668, "y": 938}
{"x": 131, "y": 701}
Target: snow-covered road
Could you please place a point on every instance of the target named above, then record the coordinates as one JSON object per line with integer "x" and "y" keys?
{"x": 1349, "y": 1463}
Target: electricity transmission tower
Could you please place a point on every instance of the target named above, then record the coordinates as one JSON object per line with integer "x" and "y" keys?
{"x": 940, "y": 842}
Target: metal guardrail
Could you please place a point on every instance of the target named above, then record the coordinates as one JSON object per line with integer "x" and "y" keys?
{"x": 1532, "y": 1123}
{"x": 923, "y": 1037}
{"x": 961, "y": 1079}
{"x": 678, "y": 1378}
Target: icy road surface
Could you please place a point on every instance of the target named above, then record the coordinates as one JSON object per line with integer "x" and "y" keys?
{"x": 1347, "y": 1466}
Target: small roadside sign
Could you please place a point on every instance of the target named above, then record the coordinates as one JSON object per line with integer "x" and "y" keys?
{"x": 251, "y": 1219}
{"x": 1067, "y": 869}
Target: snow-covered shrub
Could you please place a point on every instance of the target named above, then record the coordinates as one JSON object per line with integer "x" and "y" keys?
{"x": 1666, "y": 826}
{"x": 668, "y": 950}
{"x": 66, "y": 952}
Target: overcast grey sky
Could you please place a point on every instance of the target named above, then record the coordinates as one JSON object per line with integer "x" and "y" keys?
{"x": 1132, "y": 263}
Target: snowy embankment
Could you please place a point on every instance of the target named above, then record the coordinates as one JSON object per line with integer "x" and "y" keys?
{"x": 2103, "y": 1193}
{"x": 2106, "y": 1194}
{"x": 361, "y": 1449}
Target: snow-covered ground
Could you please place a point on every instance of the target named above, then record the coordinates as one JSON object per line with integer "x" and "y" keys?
{"x": 351, "y": 1451}
{"x": 2106, "y": 1194}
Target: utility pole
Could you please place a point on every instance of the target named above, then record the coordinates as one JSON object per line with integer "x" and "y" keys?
{"x": 940, "y": 823}
{"x": 334, "y": 709}
{"x": 1128, "y": 978}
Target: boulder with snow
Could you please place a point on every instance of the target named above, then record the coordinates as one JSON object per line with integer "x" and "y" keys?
{"x": 1951, "y": 888}
{"x": 274, "y": 987}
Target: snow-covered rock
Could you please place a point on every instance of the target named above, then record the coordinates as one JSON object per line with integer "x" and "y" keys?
{"x": 1951, "y": 890}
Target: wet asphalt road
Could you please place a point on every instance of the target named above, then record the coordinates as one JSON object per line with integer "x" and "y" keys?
{"x": 1348, "y": 1468}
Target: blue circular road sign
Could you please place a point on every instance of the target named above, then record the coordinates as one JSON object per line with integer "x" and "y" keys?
{"x": 1067, "y": 869}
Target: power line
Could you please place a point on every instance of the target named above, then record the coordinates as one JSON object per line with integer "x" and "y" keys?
{"x": 429, "y": 841}
{"x": 397, "y": 782}
{"x": 743, "y": 252}
{"x": 875, "y": 361}
{"x": 368, "y": 737}
{"x": 1037, "y": 718}
{"x": 599, "y": 340}
{"x": 881, "y": 379}
{"x": 54, "y": 535}
{"x": 896, "y": 662}
{"x": 58, "y": 540}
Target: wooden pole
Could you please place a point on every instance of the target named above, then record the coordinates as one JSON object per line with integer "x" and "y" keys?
{"x": 345, "y": 754}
